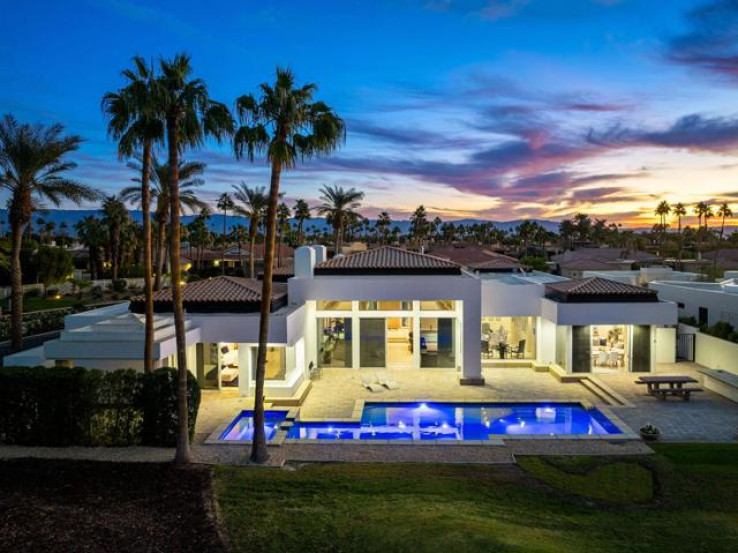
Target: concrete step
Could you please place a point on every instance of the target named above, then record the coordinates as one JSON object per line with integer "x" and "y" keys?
{"x": 603, "y": 391}
{"x": 294, "y": 400}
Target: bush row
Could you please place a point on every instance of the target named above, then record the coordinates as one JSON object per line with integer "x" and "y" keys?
{"x": 36, "y": 322}
{"x": 64, "y": 407}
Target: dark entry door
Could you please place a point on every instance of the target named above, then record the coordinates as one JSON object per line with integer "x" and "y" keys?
{"x": 641, "y": 349}
{"x": 581, "y": 349}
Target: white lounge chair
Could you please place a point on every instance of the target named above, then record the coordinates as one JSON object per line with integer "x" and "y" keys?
{"x": 367, "y": 382}
{"x": 385, "y": 381}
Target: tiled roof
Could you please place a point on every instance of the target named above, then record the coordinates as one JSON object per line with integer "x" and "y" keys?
{"x": 463, "y": 254}
{"x": 498, "y": 263}
{"x": 597, "y": 289}
{"x": 223, "y": 293}
{"x": 280, "y": 274}
{"x": 388, "y": 260}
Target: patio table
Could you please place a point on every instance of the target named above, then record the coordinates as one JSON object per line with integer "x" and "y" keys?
{"x": 673, "y": 385}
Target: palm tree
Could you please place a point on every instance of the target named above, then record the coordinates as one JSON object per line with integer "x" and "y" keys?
{"x": 115, "y": 216}
{"x": 283, "y": 219}
{"x": 239, "y": 235}
{"x": 419, "y": 225}
{"x": 93, "y": 235}
{"x": 225, "y": 203}
{"x": 663, "y": 210}
{"x": 383, "y": 224}
{"x": 254, "y": 206}
{"x": 135, "y": 121}
{"x": 700, "y": 210}
{"x": 286, "y": 124}
{"x": 190, "y": 116}
{"x": 680, "y": 210}
{"x": 33, "y": 168}
{"x": 302, "y": 214}
{"x": 723, "y": 212}
{"x": 338, "y": 207}
{"x": 189, "y": 178}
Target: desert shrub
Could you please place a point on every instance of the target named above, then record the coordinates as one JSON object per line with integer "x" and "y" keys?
{"x": 119, "y": 285}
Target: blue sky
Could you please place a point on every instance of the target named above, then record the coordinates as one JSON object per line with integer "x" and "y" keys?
{"x": 482, "y": 108}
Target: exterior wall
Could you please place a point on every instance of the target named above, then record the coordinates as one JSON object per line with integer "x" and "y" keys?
{"x": 715, "y": 353}
{"x": 546, "y": 336}
{"x": 503, "y": 300}
{"x": 720, "y": 305}
{"x": 665, "y": 345}
{"x": 646, "y": 313}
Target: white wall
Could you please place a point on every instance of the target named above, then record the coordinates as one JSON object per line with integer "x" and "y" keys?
{"x": 546, "y": 347}
{"x": 715, "y": 353}
{"x": 665, "y": 345}
{"x": 583, "y": 314}
{"x": 721, "y": 305}
{"x": 511, "y": 300}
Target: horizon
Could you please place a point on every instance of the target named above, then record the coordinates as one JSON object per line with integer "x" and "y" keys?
{"x": 494, "y": 110}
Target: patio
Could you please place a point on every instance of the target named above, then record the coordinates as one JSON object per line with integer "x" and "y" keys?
{"x": 707, "y": 417}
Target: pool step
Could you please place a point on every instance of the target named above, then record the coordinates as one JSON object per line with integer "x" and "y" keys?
{"x": 603, "y": 391}
{"x": 294, "y": 401}
{"x": 564, "y": 377}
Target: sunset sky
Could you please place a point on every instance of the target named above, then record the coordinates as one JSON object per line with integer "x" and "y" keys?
{"x": 493, "y": 109}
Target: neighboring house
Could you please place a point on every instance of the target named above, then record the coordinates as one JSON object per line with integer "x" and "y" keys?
{"x": 707, "y": 302}
{"x": 466, "y": 254}
{"x": 644, "y": 275}
{"x": 573, "y": 263}
{"x": 232, "y": 258}
{"x": 383, "y": 308}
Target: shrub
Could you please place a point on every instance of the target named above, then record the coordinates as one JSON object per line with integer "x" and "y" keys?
{"x": 64, "y": 407}
{"x": 119, "y": 285}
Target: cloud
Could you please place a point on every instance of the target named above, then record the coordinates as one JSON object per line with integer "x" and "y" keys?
{"x": 711, "y": 43}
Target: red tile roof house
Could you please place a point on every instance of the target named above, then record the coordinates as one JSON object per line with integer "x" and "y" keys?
{"x": 573, "y": 263}
{"x": 383, "y": 308}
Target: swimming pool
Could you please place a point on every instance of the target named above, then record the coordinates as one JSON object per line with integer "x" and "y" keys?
{"x": 242, "y": 427}
{"x": 459, "y": 421}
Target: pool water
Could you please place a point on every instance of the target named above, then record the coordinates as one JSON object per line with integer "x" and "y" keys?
{"x": 463, "y": 421}
{"x": 242, "y": 427}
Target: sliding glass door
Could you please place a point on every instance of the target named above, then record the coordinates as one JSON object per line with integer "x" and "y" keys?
{"x": 372, "y": 342}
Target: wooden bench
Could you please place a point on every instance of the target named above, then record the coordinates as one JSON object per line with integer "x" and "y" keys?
{"x": 684, "y": 393}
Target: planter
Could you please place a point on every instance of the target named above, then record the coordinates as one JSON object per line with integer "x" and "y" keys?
{"x": 650, "y": 436}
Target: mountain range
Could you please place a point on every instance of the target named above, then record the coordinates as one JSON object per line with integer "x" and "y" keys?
{"x": 215, "y": 223}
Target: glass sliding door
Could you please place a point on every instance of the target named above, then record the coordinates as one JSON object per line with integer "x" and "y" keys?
{"x": 334, "y": 342}
{"x": 206, "y": 355}
{"x": 437, "y": 343}
{"x": 372, "y": 342}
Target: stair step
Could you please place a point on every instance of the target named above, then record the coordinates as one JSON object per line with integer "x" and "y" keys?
{"x": 294, "y": 400}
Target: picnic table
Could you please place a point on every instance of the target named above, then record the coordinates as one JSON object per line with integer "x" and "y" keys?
{"x": 664, "y": 386}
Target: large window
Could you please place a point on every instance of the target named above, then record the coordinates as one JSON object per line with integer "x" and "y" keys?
{"x": 385, "y": 305}
{"x": 437, "y": 305}
{"x": 508, "y": 337}
{"x": 609, "y": 347}
{"x": 276, "y": 362}
{"x": 437, "y": 343}
{"x": 372, "y": 343}
{"x": 334, "y": 305}
{"x": 334, "y": 342}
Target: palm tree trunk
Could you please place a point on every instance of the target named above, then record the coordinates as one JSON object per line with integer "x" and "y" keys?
{"x": 252, "y": 252}
{"x": 259, "y": 452}
{"x": 148, "y": 289}
{"x": 299, "y": 232}
{"x": 182, "y": 455}
{"x": 222, "y": 261}
{"x": 717, "y": 249}
{"x": 16, "y": 284}
{"x": 160, "y": 247}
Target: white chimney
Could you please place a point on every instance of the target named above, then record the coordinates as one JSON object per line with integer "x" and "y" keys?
{"x": 321, "y": 253}
{"x": 304, "y": 262}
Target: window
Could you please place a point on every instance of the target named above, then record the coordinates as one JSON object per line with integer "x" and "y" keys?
{"x": 437, "y": 344}
{"x": 334, "y": 305}
{"x": 680, "y": 305}
{"x": 276, "y": 362}
{"x": 508, "y": 337}
{"x": 334, "y": 342}
{"x": 437, "y": 305}
{"x": 372, "y": 343}
{"x": 385, "y": 305}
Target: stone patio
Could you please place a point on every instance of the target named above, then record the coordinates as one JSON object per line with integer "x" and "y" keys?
{"x": 707, "y": 417}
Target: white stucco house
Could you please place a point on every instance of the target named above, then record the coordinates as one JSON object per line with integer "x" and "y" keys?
{"x": 707, "y": 302}
{"x": 382, "y": 308}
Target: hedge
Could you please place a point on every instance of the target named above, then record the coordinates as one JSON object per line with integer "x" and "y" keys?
{"x": 64, "y": 407}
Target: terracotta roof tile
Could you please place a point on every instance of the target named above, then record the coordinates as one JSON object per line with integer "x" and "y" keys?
{"x": 498, "y": 262}
{"x": 387, "y": 260}
{"x": 224, "y": 293}
{"x": 597, "y": 288}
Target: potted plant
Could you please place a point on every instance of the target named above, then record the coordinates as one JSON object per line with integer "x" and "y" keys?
{"x": 650, "y": 433}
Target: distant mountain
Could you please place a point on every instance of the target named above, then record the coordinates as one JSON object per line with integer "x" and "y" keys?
{"x": 73, "y": 216}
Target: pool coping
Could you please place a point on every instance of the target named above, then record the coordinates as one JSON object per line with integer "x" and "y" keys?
{"x": 495, "y": 440}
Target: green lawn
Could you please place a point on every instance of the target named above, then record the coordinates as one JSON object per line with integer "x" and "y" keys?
{"x": 685, "y": 498}
{"x": 42, "y": 304}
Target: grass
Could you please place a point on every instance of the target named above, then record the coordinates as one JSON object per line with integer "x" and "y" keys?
{"x": 684, "y": 499}
{"x": 42, "y": 304}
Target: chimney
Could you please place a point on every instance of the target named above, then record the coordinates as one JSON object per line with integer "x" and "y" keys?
{"x": 320, "y": 254}
{"x": 304, "y": 262}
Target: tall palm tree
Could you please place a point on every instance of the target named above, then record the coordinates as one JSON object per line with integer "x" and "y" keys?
{"x": 254, "y": 204}
{"x": 419, "y": 225}
{"x": 302, "y": 214}
{"x": 93, "y": 235}
{"x": 383, "y": 224}
{"x": 225, "y": 204}
{"x": 723, "y": 212}
{"x": 680, "y": 210}
{"x": 662, "y": 210}
{"x": 135, "y": 121}
{"x": 33, "y": 169}
{"x": 338, "y": 206}
{"x": 190, "y": 178}
{"x": 239, "y": 235}
{"x": 701, "y": 210}
{"x": 288, "y": 125}
{"x": 115, "y": 216}
{"x": 190, "y": 117}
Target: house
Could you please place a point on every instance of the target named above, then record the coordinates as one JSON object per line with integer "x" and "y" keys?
{"x": 707, "y": 302}
{"x": 383, "y": 308}
{"x": 573, "y": 263}
{"x": 644, "y": 275}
